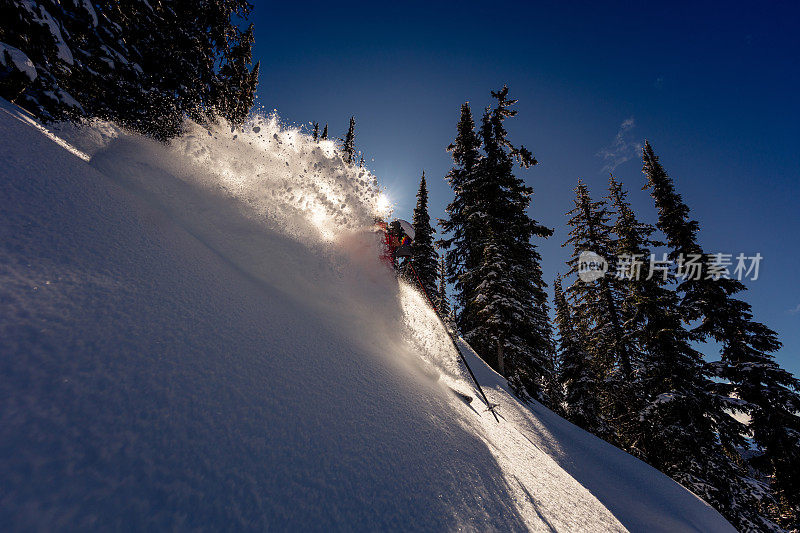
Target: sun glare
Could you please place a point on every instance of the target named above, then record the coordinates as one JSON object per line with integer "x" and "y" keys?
{"x": 383, "y": 206}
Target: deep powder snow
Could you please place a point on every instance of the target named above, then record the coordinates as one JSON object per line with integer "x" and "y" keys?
{"x": 200, "y": 335}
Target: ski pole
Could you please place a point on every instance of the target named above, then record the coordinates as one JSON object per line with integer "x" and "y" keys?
{"x": 453, "y": 340}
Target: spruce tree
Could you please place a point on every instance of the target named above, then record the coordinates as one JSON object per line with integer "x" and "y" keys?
{"x": 597, "y": 302}
{"x": 675, "y": 419}
{"x": 16, "y": 72}
{"x": 503, "y": 311}
{"x": 631, "y": 253}
{"x": 237, "y": 86}
{"x": 349, "y": 145}
{"x": 495, "y": 302}
{"x": 597, "y": 311}
{"x": 768, "y": 393}
{"x": 462, "y": 223}
{"x": 325, "y": 133}
{"x": 423, "y": 253}
{"x": 442, "y": 301}
{"x": 38, "y": 29}
{"x": 576, "y": 370}
{"x": 107, "y": 59}
{"x": 315, "y": 134}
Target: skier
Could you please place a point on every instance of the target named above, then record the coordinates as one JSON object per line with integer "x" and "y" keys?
{"x": 397, "y": 244}
{"x": 397, "y": 238}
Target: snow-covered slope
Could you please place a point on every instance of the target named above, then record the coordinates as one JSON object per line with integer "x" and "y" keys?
{"x": 200, "y": 336}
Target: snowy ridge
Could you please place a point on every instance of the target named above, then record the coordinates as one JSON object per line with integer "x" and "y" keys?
{"x": 200, "y": 335}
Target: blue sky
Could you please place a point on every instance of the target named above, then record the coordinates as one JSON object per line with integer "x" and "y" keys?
{"x": 713, "y": 86}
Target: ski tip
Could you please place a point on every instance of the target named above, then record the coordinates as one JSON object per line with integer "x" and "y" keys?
{"x": 466, "y": 398}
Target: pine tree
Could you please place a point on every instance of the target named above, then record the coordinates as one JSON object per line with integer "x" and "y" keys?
{"x": 325, "y": 133}
{"x": 504, "y": 305}
{"x": 423, "y": 253}
{"x": 495, "y": 304}
{"x": 633, "y": 289}
{"x": 349, "y": 145}
{"x": 576, "y": 370}
{"x": 315, "y": 134}
{"x": 767, "y": 392}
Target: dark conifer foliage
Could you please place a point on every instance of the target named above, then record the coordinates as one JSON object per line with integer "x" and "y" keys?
{"x": 598, "y": 312}
{"x": 315, "y": 133}
{"x": 423, "y": 252}
{"x": 494, "y": 264}
{"x": 598, "y": 303}
{"x": 237, "y": 81}
{"x": 61, "y": 39}
{"x": 678, "y": 418}
{"x": 16, "y": 72}
{"x": 442, "y": 300}
{"x": 463, "y": 244}
{"x": 146, "y": 65}
{"x": 768, "y": 393}
{"x": 349, "y": 144}
{"x": 324, "y": 133}
{"x": 578, "y": 379}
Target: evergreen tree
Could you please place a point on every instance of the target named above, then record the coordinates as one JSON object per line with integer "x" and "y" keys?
{"x": 423, "y": 253}
{"x": 597, "y": 312}
{"x": 107, "y": 78}
{"x": 16, "y": 72}
{"x": 237, "y": 81}
{"x": 503, "y": 311}
{"x": 576, "y": 375}
{"x": 673, "y": 418}
{"x": 315, "y": 134}
{"x": 767, "y": 392}
{"x": 462, "y": 223}
{"x": 494, "y": 304}
{"x": 253, "y": 85}
{"x": 38, "y": 30}
{"x": 107, "y": 59}
{"x": 632, "y": 288}
{"x": 442, "y": 301}
{"x": 325, "y": 133}
{"x": 349, "y": 145}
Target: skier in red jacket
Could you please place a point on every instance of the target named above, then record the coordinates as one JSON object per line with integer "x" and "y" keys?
{"x": 397, "y": 241}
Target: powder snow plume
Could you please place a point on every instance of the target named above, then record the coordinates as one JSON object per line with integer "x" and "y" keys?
{"x": 278, "y": 176}
{"x": 287, "y": 211}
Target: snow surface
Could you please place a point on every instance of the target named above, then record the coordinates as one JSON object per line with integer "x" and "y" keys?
{"x": 201, "y": 336}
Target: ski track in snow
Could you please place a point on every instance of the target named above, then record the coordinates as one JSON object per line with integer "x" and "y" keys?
{"x": 201, "y": 336}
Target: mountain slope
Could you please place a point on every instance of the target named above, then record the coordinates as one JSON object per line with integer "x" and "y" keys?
{"x": 200, "y": 336}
